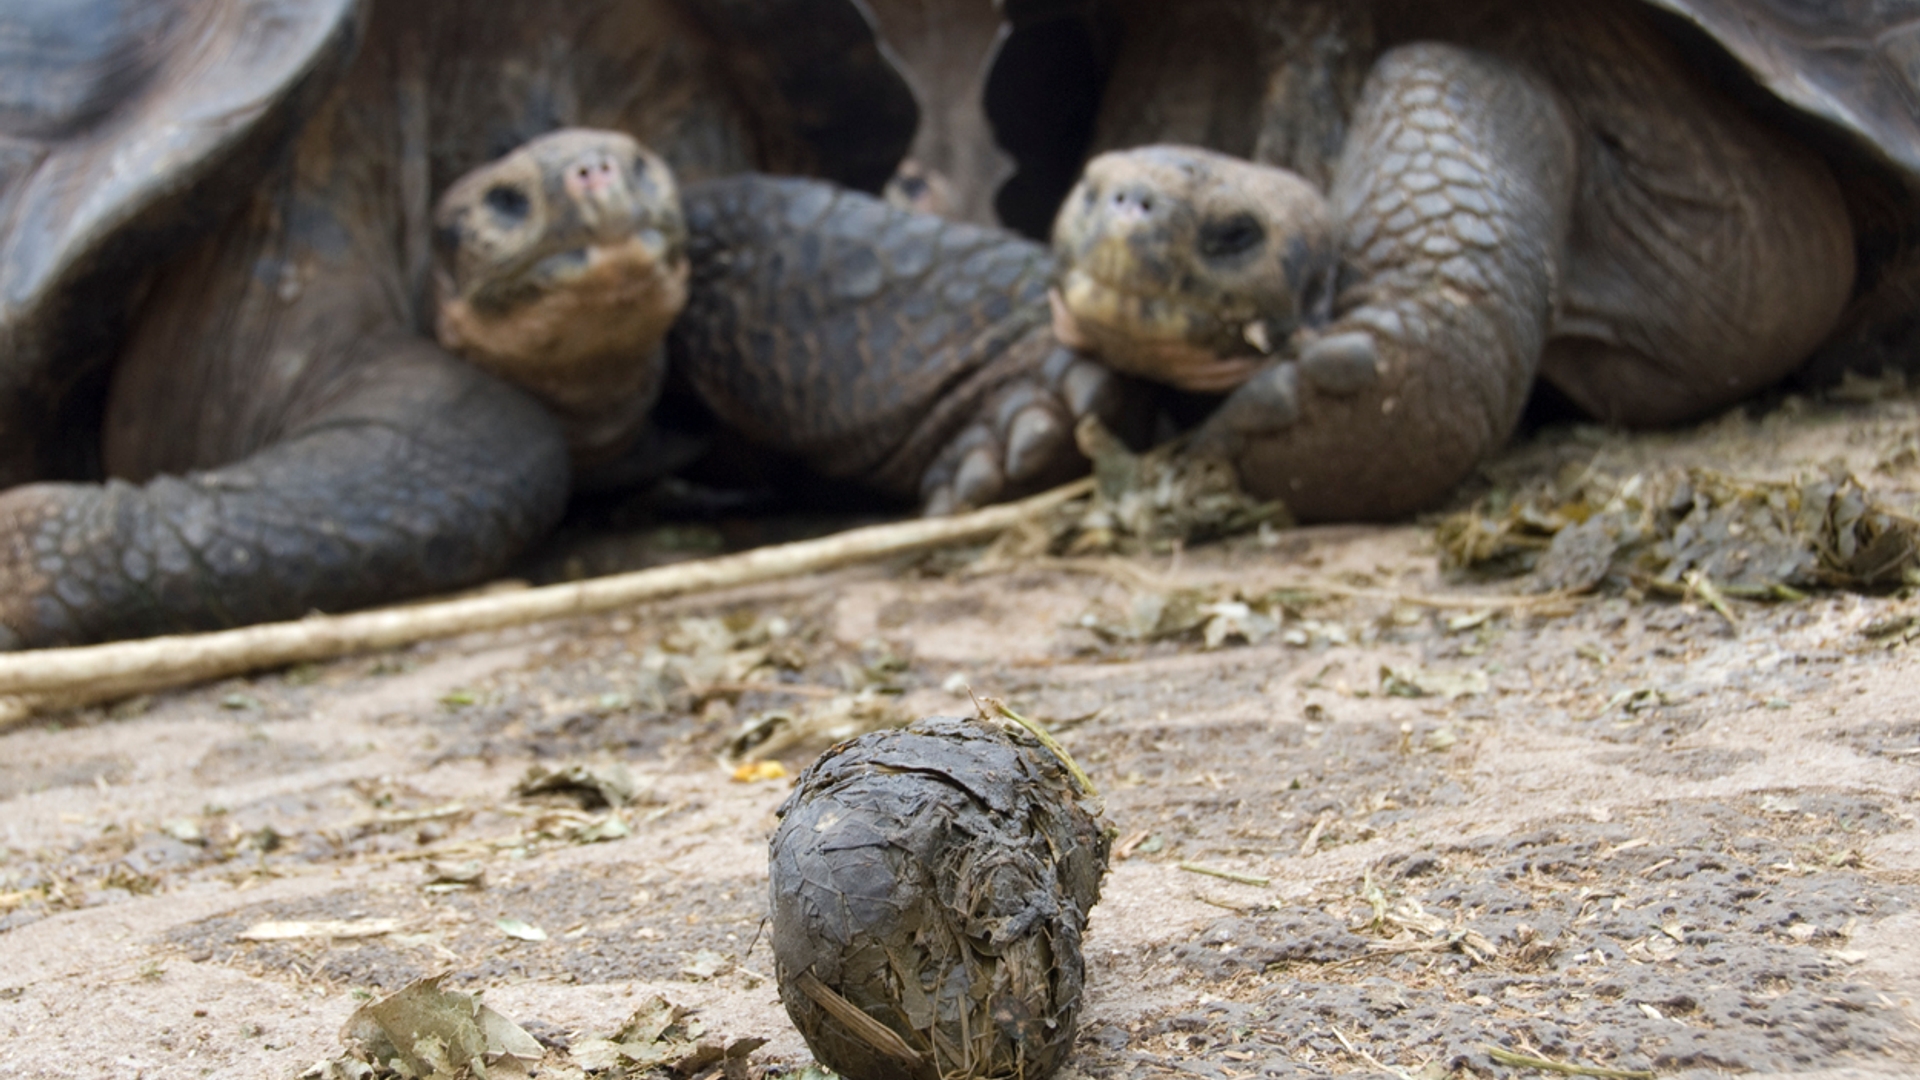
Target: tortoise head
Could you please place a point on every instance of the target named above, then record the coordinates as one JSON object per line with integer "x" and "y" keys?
{"x": 1190, "y": 267}
{"x": 560, "y": 267}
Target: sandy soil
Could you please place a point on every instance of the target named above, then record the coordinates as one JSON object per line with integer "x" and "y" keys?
{"x": 1638, "y": 836}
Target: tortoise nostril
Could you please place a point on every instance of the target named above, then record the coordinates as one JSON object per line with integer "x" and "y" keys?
{"x": 1132, "y": 203}
{"x": 1228, "y": 237}
{"x": 594, "y": 176}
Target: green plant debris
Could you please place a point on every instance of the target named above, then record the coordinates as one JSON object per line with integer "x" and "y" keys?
{"x": 1195, "y": 613}
{"x": 520, "y": 930}
{"x": 1415, "y": 682}
{"x": 1691, "y": 530}
{"x": 185, "y": 830}
{"x": 1153, "y": 502}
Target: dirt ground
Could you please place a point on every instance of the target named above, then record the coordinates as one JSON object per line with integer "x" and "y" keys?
{"x": 1614, "y": 830}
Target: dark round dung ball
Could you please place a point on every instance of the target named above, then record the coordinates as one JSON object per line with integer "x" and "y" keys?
{"x": 930, "y": 887}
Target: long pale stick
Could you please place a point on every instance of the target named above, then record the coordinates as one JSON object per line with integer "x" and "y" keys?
{"x": 64, "y": 678}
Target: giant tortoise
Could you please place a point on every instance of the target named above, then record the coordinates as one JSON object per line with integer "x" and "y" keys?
{"x": 309, "y": 304}
{"x": 1372, "y": 225}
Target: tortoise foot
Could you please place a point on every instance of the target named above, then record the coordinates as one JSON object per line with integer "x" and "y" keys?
{"x": 1021, "y": 440}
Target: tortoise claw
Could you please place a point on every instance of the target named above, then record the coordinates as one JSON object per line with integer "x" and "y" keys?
{"x": 1342, "y": 364}
{"x": 1034, "y": 440}
{"x": 979, "y": 478}
{"x": 1087, "y": 387}
{"x": 1266, "y": 404}
{"x": 939, "y": 502}
{"x": 1021, "y": 437}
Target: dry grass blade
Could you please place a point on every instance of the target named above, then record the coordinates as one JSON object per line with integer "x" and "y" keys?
{"x": 1366, "y": 1057}
{"x": 1312, "y": 843}
{"x": 1226, "y": 875}
{"x": 64, "y": 678}
{"x": 1528, "y": 1061}
{"x": 877, "y": 1035}
{"x": 1703, "y": 585}
{"x": 1052, "y": 744}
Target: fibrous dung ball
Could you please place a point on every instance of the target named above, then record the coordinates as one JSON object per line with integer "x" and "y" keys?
{"x": 930, "y": 889}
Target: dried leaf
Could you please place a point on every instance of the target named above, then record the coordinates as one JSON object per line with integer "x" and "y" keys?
{"x": 1416, "y": 682}
{"x": 600, "y": 830}
{"x": 704, "y": 965}
{"x": 1233, "y": 620}
{"x": 768, "y": 735}
{"x": 342, "y": 929}
{"x": 432, "y": 1034}
{"x": 658, "y": 1033}
{"x": 519, "y": 928}
{"x": 592, "y": 786}
{"x": 466, "y": 875}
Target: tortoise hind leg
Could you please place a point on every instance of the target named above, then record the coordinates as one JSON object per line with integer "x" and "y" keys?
{"x": 420, "y": 474}
{"x": 1453, "y": 192}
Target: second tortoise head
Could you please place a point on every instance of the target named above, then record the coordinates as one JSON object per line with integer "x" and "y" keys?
{"x": 1190, "y": 267}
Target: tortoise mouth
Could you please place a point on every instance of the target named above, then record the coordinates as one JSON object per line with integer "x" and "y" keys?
{"x": 574, "y": 262}
{"x": 1163, "y": 335}
{"x": 574, "y": 319}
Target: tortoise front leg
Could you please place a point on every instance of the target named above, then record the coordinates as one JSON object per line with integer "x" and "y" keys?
{"x": 897, "y": 350}
{"x": 421, "y": 474}
{"x": 1453, "y": 196}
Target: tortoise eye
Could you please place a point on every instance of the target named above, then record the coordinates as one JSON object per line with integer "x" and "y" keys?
{"x": 1223, "y": 238}
{"x": 508, "y": 203}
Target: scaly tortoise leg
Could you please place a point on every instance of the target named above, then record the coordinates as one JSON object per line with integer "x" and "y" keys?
{"x": 894, "y": 349}
{"x": 423, "y": 475}
{"x": 1453, "y": 194}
